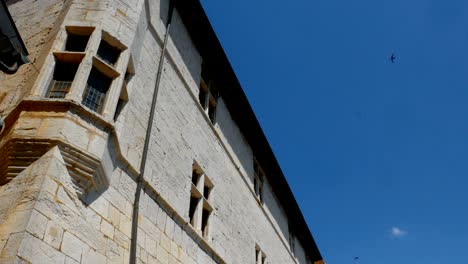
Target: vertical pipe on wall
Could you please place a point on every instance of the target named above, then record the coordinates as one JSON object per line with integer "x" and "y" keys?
{"x": 140, "y": 179}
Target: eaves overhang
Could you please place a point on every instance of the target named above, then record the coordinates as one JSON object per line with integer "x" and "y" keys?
{"x": 13, "y": 52}
{"x": 218, "y": 66}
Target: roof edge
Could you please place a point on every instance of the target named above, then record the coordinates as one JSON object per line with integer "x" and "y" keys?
{"x": 212, "y": 52}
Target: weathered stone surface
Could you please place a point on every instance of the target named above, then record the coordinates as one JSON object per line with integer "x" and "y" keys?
{"x": 91, "y": 256}
{"x": 37, "y": 224}
{"x": 53, "y": 234}
{"x": 54, "y": 211}
{"x": 73, "y": 247}
{"x": 36, "y": 251}
{"x": 107, "y": 229}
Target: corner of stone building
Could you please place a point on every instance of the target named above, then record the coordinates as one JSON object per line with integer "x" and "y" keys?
{"x": 19, "y": 220}
{"x": 42, "y": 216}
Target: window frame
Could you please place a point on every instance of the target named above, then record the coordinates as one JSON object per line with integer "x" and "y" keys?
{"x": 260, "y": 256}
{"x": 200, "y": 208}
{"x": 90, "y": 92}
{"x": 62, "y": 55}
{"x": 292, "y": 240}
{"x": 78, "y": 31}
{"x": 208, "y": 98}
{"x": 258, "y": 180}
{"x": 55, "y": 80}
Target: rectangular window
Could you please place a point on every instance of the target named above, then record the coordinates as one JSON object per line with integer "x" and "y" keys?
{"x": 206, "y": 191}
{"x": 258, "y": 179}
{"x": 292, "y": 240}
{"x": 260, "y": 257}
{"x": 212, "y": 110}
{"x": 108, "y": 53}
{"x": 68, "y": 61}
{"x": 77, "y": 38}
{"x": 194, "y": 201}
{"x": 208, "y": 97}
{"x": 62, "y": 80}
{"x": 195, "y": 177}
{"x": 203, "y": 94}
{"x": 200, "y": 210}
{"x": 204, "y": 224}
{"x": 95, "y": 93}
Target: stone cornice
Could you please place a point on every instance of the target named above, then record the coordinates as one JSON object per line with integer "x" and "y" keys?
{"x": 57, "y": 105}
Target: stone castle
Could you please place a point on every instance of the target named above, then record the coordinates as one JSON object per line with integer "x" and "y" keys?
{"x": 128, "y": 139}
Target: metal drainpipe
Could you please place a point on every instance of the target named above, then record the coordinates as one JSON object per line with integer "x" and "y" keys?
{"x": 140, "y": 179}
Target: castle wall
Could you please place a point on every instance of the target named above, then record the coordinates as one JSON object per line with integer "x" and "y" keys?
{"x": 38, "y": 23}
{"x": 84, "y": 219}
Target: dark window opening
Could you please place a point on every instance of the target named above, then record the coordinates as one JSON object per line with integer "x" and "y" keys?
{"x": 258, "y": 180}
{"x": 76, "y": 42}
{"x": 62, "y": 80}
{"x": 260, "y": 257}
{"x": 203, "y": 97}
{"x": 204, "y": 227}
{"x": 195, "y": 177}
{"x": 208, "y": 95}
{"x": 203, "y": 94}
{"x": 206, "y": 191}
{"x": 108, "y": 53}
{"x": 212, "y": 112}
{"x": 192, "y": 209}
{"x": 255, "y": 183}
{"x": 96, "y": 89}
{"x": 260, "y": 193}
{"x": 291, "y": 240}
{"x": 200, "y": 208}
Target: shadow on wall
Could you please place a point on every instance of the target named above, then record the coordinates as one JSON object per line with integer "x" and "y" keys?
{"x": 182, "y": 41}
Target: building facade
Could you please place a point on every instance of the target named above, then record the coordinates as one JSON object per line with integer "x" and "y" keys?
{"x": 135, "y": 100}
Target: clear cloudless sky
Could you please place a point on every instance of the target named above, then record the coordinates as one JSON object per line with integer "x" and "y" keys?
{"x": 367, "y": 146}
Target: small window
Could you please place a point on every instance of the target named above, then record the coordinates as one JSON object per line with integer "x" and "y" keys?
{"x": 258, "y": 179}
{"x": 204, "y": 224}
{"x": 96, "y": 89}
{"x": 194, "y": 202}
{"x": 212, "y": 110}
{"x": 195, "y": 177}
{"x": 77, "y": 38}
{"x": 200, "y": 209}
{"x": 206, "y": 192}
{"x": 62, "y": 80}
{"x": 207, "y": 187}
{"x": 208, "y": 97}
{"x": 203, "y": 94}
{"x": 108, "y": 53}
{"x": 292, "y": 240}
{"x": 260, "y": 257}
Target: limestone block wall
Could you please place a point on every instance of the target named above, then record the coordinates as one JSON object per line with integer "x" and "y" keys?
{"x": 38, "y": 23}
{"x": 93, "y": 225}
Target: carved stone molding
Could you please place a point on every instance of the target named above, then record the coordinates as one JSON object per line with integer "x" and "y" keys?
{"x": 17, "y": 154}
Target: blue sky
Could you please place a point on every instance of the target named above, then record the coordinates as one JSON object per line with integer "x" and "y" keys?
{"x": 376, "y": 153}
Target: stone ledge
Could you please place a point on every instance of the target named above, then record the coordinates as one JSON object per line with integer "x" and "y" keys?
{"x": 57, "y": 105}
{"x": 19, "y": 153}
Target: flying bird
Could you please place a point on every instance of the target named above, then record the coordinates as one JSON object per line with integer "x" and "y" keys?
{"x": 356, "y": 259}
{"x": 393, "y": 58}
